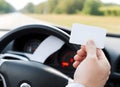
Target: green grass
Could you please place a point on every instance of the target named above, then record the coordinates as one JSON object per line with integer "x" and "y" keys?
{"x": 112, "y": 24}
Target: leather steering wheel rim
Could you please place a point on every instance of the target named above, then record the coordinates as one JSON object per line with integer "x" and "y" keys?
{"x": 39, "y": 28}
{"x": 18, "y": 32}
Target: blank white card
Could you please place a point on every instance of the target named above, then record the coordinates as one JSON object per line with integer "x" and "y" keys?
{"x": 81, "y": 33}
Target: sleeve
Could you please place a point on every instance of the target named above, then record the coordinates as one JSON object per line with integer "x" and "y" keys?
{"x": 74, "y": 85}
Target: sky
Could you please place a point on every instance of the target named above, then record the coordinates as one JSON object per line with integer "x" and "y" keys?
{"x": 19, "y": 4}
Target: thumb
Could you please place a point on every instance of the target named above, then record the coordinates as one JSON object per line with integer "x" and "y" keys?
{"x": 91, "y": 49}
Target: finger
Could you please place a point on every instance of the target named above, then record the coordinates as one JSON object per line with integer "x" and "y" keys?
{"x": 100, "y": 54}
{"x": 91, "y": 49}
{"x": 78, "y": 58}
{"x": 83, "y": 47}
{"x": 80, "y": 54}
{"x": 103, "y": 59}
{"x": 75, "y": 64}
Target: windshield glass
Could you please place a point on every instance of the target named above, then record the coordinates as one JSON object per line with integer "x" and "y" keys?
{"x": 101, "y": 13}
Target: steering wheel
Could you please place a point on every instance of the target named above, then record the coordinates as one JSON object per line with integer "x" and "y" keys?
{"x": 21, "y": 73}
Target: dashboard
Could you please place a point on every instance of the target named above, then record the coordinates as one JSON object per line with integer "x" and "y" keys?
{"x": 62, "y": 59}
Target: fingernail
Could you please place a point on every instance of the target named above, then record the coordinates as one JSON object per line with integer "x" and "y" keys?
{"x": 75, "y": 56}
{"x": 90, "y": 42}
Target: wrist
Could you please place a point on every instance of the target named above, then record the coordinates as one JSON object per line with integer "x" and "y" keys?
{"x": 84, "y": 82}
{"x": 72, "y": 83}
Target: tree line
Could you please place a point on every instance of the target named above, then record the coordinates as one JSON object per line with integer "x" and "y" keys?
{"x": 6, "y": 7}
{"x": 64, "y": 7}
{"x": 89, "y": 7}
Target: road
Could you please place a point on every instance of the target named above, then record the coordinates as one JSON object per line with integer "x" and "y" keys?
{"x": 13, "y": 20}
{"x": 10, "y": 21}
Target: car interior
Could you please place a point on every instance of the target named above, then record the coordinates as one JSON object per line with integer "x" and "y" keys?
{"x": 41, "y": 55}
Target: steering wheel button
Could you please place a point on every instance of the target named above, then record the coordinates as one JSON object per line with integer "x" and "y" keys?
{"x": 25, "y": 85}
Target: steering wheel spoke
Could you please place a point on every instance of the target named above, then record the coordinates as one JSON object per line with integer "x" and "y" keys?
{"x": 23, "y": 70}
{"x": 16, "y": 72}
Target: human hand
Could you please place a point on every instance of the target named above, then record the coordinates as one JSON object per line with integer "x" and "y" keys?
{"x": 92, "y": 67}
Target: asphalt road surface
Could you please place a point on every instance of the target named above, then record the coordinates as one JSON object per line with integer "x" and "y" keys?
{"x": 10, "y": 21}
{"x": 13, "y": 20}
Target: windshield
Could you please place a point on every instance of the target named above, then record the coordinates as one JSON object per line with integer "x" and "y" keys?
{"x": 101, "y": 13}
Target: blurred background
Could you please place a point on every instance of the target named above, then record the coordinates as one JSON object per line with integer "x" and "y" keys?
{"x": 101, "y": 13}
